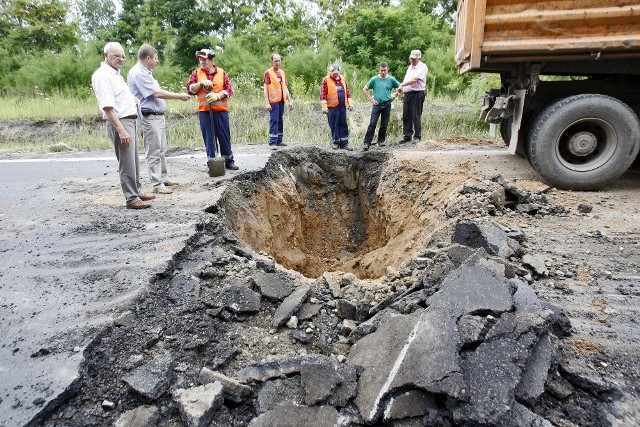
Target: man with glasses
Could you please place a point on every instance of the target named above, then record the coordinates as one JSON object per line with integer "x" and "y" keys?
{"x": 383, "y": 86}
{"x": 120, "y": 110}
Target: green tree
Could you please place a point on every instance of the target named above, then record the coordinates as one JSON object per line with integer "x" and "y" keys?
{"x": 444, "y": 10}
{"x": 95, "y": 17}
{"x": 278, "y": 32}
{"x": 32, "y": 26}
{"x": 369, "y": 36}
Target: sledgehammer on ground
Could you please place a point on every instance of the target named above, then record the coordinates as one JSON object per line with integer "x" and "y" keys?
{"x": 216, "y": 165}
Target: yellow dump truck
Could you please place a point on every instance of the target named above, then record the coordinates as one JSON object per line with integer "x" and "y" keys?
{"x": 580, "y": 128}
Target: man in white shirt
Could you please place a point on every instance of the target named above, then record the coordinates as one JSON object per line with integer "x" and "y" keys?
{"x": 152, "y": 106}
{"x": 120, "y": 109}
{"x": 413, "y": 87}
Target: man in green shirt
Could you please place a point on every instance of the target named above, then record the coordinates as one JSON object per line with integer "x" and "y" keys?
{"x": 383, "y": 86}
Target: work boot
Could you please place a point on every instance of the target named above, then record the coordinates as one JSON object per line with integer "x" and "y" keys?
{"x": 138, "y": 205}
{"x": 232, "y": 166}
{"x": 381, "y": 144}
{"x": 366, "y": 147}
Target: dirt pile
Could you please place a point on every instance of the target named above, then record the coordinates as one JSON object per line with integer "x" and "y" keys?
{"x": 434, "y": 323}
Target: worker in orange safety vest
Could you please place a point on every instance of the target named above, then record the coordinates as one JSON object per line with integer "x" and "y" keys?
{"x": 276, "y": 95}
{"x": 212, "y": 88}
{"x": 335, "y": 99}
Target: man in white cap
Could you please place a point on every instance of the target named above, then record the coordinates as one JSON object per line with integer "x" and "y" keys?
{"x": 413, "y": 87}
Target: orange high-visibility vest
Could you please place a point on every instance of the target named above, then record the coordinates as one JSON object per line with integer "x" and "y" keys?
{"x": 274, "y": 89}
{"x": 332, "y": 92}
{"x": 218, "y": 85}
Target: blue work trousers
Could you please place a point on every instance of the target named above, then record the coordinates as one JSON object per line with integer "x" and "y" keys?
{"x": 222, "y": 133}
{"x": 276, "y": 127}
{"x": 337, "y": 117}
{"x": 381, "y": 110}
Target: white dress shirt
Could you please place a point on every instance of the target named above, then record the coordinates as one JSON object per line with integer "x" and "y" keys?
{"x": 112, "y": 91}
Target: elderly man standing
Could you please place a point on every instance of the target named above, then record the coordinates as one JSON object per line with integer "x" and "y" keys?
{"x": 119, "y": 107}
{"x": 212, "y": 88}
{"x": 152, "y": 106}
{"x": 413, "y": 87}
{"x": 276, "y": 94}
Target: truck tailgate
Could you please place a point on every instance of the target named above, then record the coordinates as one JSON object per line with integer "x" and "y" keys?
{"x": 502, "y": 31}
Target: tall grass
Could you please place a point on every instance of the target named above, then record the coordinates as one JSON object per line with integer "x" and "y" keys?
{"x": 61, "y": 122}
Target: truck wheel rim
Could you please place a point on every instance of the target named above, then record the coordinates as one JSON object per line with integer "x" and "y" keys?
{"x": 586, "y": 144}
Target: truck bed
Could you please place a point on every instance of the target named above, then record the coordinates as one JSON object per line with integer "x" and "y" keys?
{"x": 576, "y": 37}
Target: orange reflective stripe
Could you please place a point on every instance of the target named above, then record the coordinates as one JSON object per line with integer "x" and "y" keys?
{"x": 275, "y": 91}
{"x": 332, "y": 92}
{"x": 218, "y": 86}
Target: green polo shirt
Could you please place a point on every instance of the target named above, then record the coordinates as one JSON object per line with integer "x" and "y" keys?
{"x": 382, "y": 87}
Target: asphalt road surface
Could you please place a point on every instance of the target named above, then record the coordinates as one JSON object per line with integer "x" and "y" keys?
{"x": 72, "y": 257}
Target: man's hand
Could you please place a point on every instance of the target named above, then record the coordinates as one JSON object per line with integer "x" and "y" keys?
{"x": 184, "y": 97}
{"x": 325, "y": 109}
{"x": 290, "y": 106}
{"x": 267, "y": 106}
{"x": 350, "y": 104}
{"x": 206, "y": 84}
{"x": 125, "y": 138}
{"x": 212, "y": 97}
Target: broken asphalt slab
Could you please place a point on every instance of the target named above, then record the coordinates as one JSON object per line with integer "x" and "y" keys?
{"x": 72, "y": 256}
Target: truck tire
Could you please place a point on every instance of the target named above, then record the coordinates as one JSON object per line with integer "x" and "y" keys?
{"x": 505, "y": 130}
{"x": 584, "y": 141}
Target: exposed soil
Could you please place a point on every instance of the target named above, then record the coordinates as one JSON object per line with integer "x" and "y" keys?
{"x": 351, "y": 226}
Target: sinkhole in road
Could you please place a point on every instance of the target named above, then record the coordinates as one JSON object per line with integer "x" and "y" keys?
{"x": 315, "y": 210}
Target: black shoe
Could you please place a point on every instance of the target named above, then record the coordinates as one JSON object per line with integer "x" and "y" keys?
{"x": 366, "y": 147}
{"x": 232, "y": 167}
{"x": 416, "y": 140}
{"x": 281, "y": 144}
{"x": 404, "y": 141}
{"x": 381, "y": 144}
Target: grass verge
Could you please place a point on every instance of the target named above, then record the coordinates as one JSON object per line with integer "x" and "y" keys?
{"x": 67, "y": 124}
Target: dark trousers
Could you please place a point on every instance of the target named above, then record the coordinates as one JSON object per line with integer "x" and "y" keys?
{"x": 337, "y": 117}
{"x": 222, "y": 133}
{"x": 276, "y": 127}
{"x": 412, "y": 115}
{"x": 381, "y": 110}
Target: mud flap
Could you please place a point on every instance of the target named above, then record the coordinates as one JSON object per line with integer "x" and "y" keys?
{"x": 518, "y": 100}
